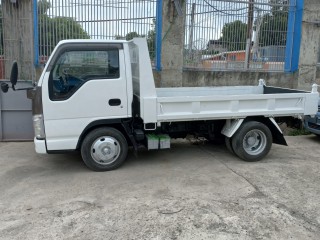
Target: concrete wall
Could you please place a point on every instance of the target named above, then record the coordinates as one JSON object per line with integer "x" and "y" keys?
{"x": 228, "y": 78}
{"x": 193, "y": 78}
{"x": 310, "y": 45}
{"x": 18, "y": 37}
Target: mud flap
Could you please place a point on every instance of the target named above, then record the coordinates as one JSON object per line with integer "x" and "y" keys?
{"x": 231, "y": 127}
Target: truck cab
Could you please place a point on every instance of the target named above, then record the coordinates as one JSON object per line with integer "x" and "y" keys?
{"x": 84, "y": 82}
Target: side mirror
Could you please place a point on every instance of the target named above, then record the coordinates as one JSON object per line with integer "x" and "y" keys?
{"x": 13, "y": 79}
{"x": 14, "y": 74}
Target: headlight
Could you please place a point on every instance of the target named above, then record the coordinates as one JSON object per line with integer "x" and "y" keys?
{"x": 38, "y": 126}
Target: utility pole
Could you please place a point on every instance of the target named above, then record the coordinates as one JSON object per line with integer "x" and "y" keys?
{"x": 249, "y": 33}
{"x": 255, "y": 48}
{"x": 17, "y": 33}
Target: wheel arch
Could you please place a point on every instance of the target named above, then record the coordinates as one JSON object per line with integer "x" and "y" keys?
{"x": 277, "y": 135}
{"x": 113, "y": 123}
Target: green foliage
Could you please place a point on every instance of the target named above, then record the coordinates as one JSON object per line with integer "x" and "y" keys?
{"x": 151, "y": 37}
{"x": 132, "y": 35}
{"x": 273, "y": 29}
{"x": 52, "y": 30}
{"x": 43, "y": 6}
{"x": 209, "y": 52}
{"x": 298, "y": 132}
{"x": 234, "y": 35}
{"x": 278, "y": 6}
{"x": 118, "y": 37}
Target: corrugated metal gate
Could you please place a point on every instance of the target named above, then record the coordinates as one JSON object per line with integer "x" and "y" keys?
{"x": 15, "y": 116}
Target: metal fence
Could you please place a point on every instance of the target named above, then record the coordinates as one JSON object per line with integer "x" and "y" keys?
{"x": 237, "y": 34}
{"x": 94, "y": 19}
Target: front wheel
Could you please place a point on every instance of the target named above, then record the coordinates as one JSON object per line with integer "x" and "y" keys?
{"x": 104, "y": 149}
{"x": 252, "y": 141}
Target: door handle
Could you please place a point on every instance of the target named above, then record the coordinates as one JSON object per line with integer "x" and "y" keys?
{"x": 114, "y": 102}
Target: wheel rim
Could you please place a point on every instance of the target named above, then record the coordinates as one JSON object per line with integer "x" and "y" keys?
{"x": 105, "y": 150}
{"x": 254, "y": 142}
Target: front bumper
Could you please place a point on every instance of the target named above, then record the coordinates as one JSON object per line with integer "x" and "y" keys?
{"x": 40, "y": 146}
{"x": 312, "y": 124}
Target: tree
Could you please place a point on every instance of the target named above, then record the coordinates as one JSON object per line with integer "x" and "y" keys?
{"x": 279, "y": 5}
{"x": 151, "y": 40}
{"x": 129, "y": 36}
{"x": 151, "y": 37}
{"x": 54, "y": 29}
{"x": 273, "y": 28}
{"x": 234, "y": 35}
{"x": 132, "y": 35}
{"x": 43, "y": 6}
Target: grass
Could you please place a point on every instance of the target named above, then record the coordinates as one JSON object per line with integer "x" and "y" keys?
{"x": 298, "y": 132}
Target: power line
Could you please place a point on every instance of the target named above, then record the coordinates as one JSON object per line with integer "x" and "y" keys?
{"x": 223, "y": 11}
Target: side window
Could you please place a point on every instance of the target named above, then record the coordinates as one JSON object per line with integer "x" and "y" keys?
{"x": 72, "y": 69}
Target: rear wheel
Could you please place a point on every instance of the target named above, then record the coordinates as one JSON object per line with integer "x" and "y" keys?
{"x": 252, "y": 141}
{"x": 104, "y": 149}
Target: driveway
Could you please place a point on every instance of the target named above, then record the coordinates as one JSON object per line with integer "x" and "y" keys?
{"x": 193, "y": 191}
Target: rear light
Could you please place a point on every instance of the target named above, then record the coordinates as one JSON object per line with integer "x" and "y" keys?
{"x": 38, "y": 126}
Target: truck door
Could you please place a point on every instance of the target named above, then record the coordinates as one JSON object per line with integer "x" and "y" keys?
{"x": 83, "y": 83}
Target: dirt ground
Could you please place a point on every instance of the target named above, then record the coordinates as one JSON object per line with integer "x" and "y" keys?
{"x": 193, "y": 191}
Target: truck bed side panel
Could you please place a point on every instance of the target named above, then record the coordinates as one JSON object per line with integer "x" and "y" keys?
{"x": 237, "y": 104}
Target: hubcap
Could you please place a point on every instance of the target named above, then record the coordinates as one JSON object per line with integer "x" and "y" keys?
{"x": 254, "y": 142}
{"x": 105, "y": 150}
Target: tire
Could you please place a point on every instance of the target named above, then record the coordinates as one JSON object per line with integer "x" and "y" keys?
{"x": 104, "y": 149}
{"x": 252, "y": 141}
{"x": 228, "y": 143}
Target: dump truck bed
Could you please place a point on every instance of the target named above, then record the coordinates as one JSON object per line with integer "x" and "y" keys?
{"x": 204, "y": 103}
{"x": 156, "y": 105}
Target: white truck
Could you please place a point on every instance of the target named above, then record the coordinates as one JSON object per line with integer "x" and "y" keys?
{"x": 99, "y": 97}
